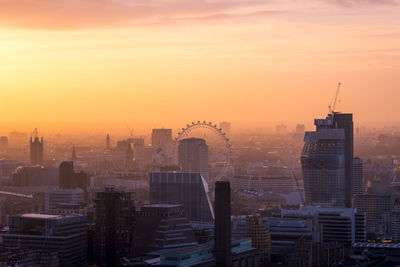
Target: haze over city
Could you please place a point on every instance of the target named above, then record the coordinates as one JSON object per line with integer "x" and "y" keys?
{"x": 202, "y": 133}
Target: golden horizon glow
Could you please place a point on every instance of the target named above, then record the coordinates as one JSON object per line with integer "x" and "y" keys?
{"x": 161, "y": 62}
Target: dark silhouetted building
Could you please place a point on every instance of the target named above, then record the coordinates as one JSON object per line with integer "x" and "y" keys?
{"x": 3, "y": 143}
{"x": 36, "y": 150}
{"x": 193, "y": 156}
{"x": 64, "y": 234}
{"x": 260, "y": 237}
{"x": 68, "y": 179}
{"x": 225, "y": 127}
{"x": 162, "y": 226}
{"x": 114, "y": 225}
{"x": 187, "y": 189}
{"x": 222, "y": 248}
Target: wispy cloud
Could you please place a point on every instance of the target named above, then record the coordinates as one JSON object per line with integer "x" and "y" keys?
{"x": 70, "y": 14}
{"x": 352, "y": 3}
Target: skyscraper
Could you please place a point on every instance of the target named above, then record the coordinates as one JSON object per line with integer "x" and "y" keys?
{"x": 161, "y": 139}
{"x": 36, "y": 150}
{"x": 114, "y": 225}
{"x": 327, "y": 161}
{"x": 225, "y": 127}
{"x": 193, "y": 156}
{"x": 222, "y": 249}
{"x": 188, "y": 189}
{"x": 68, "y": 179}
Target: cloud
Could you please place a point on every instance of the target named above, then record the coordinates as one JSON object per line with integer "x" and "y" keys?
{"x": 72, "y": 14}
{"x": 351, "y": 3}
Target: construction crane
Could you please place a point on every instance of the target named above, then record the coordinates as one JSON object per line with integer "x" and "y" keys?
{"x": 333, "y": 106}
{"x": 130, "y": 130}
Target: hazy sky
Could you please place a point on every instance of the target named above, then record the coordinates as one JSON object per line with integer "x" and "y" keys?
{"x": 168, "y": 62}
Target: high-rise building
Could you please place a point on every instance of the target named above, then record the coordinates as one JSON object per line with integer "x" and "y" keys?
{"x": 64, "y": 234}
{"x": 68, "y": 179}
{"x": 114, "y": 225}
{"x": 222, "y": 248}
{"x": 323, "y": 164}
{"x": 260, "y": 237}
{"x": 36, "y": 150}
{"x": 193, "y": 156}
{"x": 341, "y": 144}
{"x": 358, "y": 177}
{"x": 108, "y": 141}
{"x": 300, "y": 128}
{"x": 161, "y": 139}
{"x": 161, "y": 226}
{"x": 187, "y": 189}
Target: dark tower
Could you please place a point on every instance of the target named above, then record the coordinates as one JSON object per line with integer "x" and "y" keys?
{"x": 222, "y": 249}
{"x": 108, "y": 141}
{"x": 36, "y": 150}
{"x": 74, "y": 157}
{"x": 345, "y": 121}
{"x": 66, "y": 174}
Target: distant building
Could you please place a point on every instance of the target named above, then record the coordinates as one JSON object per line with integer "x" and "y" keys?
{"x": 36, "y": 150}
{"x": 35, "y": 176}
{"x": 114, "y": 225}
{"x": 161, "y": 139}
{"x": 108, "y": 142}
{"x": 187, "y": 189}
{"x": 272, "y": 183}
{"x": 193, "y": 156}
{"x": 56, "y": 198}
{"x": 260, "y": 237}
{"x": 69, "y": 179}
{"x": 281, "y": 128}
{"x": 63, "y": 234}
{"x": 161, "y": 226}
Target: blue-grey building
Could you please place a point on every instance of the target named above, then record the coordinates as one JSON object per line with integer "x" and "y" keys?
{"x": 188, "y": 189}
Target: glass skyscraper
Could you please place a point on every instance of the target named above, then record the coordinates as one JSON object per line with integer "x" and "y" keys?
{"x": 323, "y": 164}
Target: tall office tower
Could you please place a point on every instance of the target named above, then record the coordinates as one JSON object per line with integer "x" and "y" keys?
{"x": 345, "y": 121}
{"x": 358, "y": 177}
{"x": 323, "y": 164}
{"x": 161, "y": 226}
{"x": 108, "y": 141}
{"x": 193, "y": 156}
{"x": 161, "y": 139}
{"x": 187, "y": 189}
{"x": 395, "y": 221}
{"x": 222, "y": 248}
{"x": 128, "y": 156}
{"x": 64, "y": 234}
{"x": 225, "y": 127}
{"x": 36, "y": 150}
{"x": 68, "y": 179}
{"x": 260, "y": 237}
{"x": 3, "y": 143}
{"x": 114, "y": 225}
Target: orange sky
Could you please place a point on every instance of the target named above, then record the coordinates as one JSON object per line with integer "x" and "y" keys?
{"x": 167, "y": 62}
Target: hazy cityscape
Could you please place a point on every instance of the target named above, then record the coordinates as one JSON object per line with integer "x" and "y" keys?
{"x": 208, "y": 133}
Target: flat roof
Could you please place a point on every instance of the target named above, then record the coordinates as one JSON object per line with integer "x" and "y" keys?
{"x": 47, "y": 216}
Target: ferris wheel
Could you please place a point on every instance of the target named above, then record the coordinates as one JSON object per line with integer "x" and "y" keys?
{"x": 217, "y": 132}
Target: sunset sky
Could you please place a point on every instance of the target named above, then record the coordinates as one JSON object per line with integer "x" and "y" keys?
{"x": 167, "y": 62}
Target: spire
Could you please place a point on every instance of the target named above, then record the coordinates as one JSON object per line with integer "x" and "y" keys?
{"x": 74, "y": 157}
